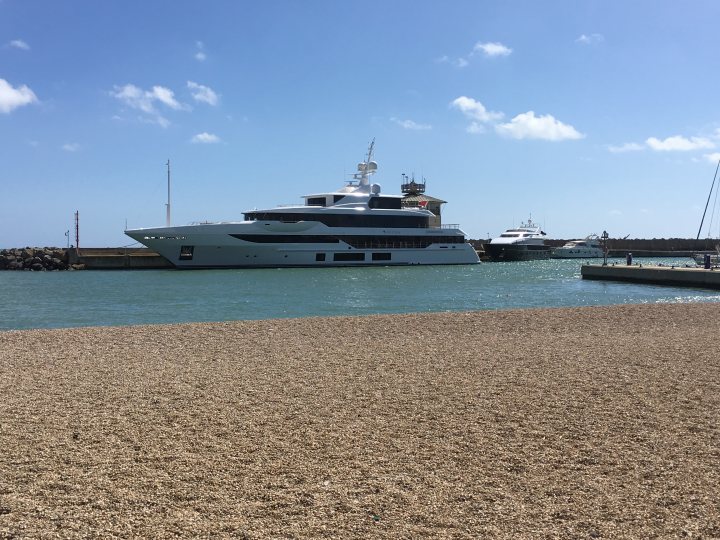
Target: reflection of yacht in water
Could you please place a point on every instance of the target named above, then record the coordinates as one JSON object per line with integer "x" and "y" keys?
{"x": 353, "y": 226}
{"x": 588, "y": 248}
{"x": 523, "y": 243}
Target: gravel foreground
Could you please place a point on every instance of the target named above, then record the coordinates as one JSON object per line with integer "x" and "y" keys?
{"x": 594, "y": 422}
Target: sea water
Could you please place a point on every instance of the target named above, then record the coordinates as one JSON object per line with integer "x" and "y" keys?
{"x": 91, "y": 298}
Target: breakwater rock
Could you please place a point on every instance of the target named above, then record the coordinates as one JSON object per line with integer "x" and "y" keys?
{"x": 36, "y": 259}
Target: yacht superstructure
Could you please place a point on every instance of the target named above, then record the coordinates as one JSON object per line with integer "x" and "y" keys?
{"x": 354, "y": 226}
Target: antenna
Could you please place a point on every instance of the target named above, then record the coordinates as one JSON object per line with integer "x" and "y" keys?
{"x": 367, "y": 167}
{"x": 167, "y": 217}
{"x": 370, "y": 150}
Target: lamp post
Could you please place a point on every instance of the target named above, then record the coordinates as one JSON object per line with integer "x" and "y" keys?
{"x": 605, "y": 237}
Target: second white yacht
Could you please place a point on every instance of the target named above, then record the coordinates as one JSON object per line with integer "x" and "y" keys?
{"x": 523, "y": 243}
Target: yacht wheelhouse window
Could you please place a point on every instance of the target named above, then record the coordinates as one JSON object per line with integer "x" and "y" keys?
{"x": 338, "y": 198}
{"x": 316, "y": 201}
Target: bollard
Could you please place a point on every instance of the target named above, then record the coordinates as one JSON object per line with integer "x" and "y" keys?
{"x": 628, "y": 259}
{"x": 706, "y": 261}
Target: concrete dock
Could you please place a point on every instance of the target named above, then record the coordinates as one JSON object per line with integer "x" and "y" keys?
{"x": 655, "y": 275}
{"x": 117, "y": 259}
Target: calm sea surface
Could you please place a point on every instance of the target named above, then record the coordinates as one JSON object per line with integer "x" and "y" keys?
{"x": 90, "y": 298}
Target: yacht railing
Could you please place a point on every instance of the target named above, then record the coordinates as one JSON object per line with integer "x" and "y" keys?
{"x": 450, "y": 226}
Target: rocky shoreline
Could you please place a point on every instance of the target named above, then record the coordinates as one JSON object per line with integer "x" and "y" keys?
{"x": 37, "y": 259}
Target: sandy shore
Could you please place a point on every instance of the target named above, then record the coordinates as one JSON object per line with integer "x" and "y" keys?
{"x": 566, "y": 423}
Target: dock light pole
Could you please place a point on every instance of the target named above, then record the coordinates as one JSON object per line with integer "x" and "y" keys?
{"x": 605, "y": 237}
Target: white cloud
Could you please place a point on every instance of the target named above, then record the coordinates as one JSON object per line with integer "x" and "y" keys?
{"x": 205, "y": 138}
{"x": 475, "y": 110}
{"x": 590, "y": 39}
{"x": 11, "y": 98}
{"x": 529, "y": 126}
{"x": 202, "y": 93}
{"x": 492, "y": 49}
{"x": 410, "y": 124}
{"x": 475, "y": 127}
{"x": 166, "y": 96}
{"x": 19, "y": 44}
{"x": 712, "y": 158}
{"x": 144, "y": 101}
{"x": 71, "y": 147}
{"x": 627, "y": 147}
{"x": 458, "y": 62}
{"x": 679, "y": 143}
{"x": 200, "y": 56}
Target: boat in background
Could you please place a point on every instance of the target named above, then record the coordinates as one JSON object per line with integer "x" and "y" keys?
{"x": 587, "y": 248}
{"x": 713, "y": 257}
{"x": 523, "y": 243}
{"x": 355, "y": 225}
{"x": 708, "y": 256}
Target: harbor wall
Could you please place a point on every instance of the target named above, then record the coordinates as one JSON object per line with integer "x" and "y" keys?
{"x": 54, "y": 258}
{"x": 639, "y": 247}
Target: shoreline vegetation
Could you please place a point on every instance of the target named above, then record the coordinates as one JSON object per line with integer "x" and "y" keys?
{"x": 596, "y": 422}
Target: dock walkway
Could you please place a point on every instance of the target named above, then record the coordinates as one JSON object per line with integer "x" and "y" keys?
{"x": 656, "y": 275}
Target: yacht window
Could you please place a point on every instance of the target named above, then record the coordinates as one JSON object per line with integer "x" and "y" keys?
{"x": 319, "y": 257}
{"x": 338, "y": 198}
{"x": 390, "y": 203}
{"x": 344, "y": 220}
{"x": 316, "y": 201}
{"x": 186, "y": 253}
{"x": 349, "y": 256}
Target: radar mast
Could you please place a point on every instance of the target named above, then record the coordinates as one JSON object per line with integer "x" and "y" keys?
{"x": 366, "y": 168}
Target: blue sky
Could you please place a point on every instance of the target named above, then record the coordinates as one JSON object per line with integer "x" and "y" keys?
{"x": 589, "y": 115}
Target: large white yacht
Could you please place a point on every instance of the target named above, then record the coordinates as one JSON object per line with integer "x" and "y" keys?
{"x": 353, "y": 226}
{"x": 587, "y": 248}
{"x": 523, "y": 243}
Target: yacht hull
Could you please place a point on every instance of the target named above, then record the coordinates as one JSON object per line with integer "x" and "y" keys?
{"x": 256, "y": 245}
{"x": 517, "y": 252}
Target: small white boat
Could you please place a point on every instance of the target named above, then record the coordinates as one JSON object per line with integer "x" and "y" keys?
{"x": 699, "y": 257}
{"x": 587, "y": 248}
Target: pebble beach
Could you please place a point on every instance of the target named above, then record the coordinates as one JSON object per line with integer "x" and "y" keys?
{"x": 598, "y": 422}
